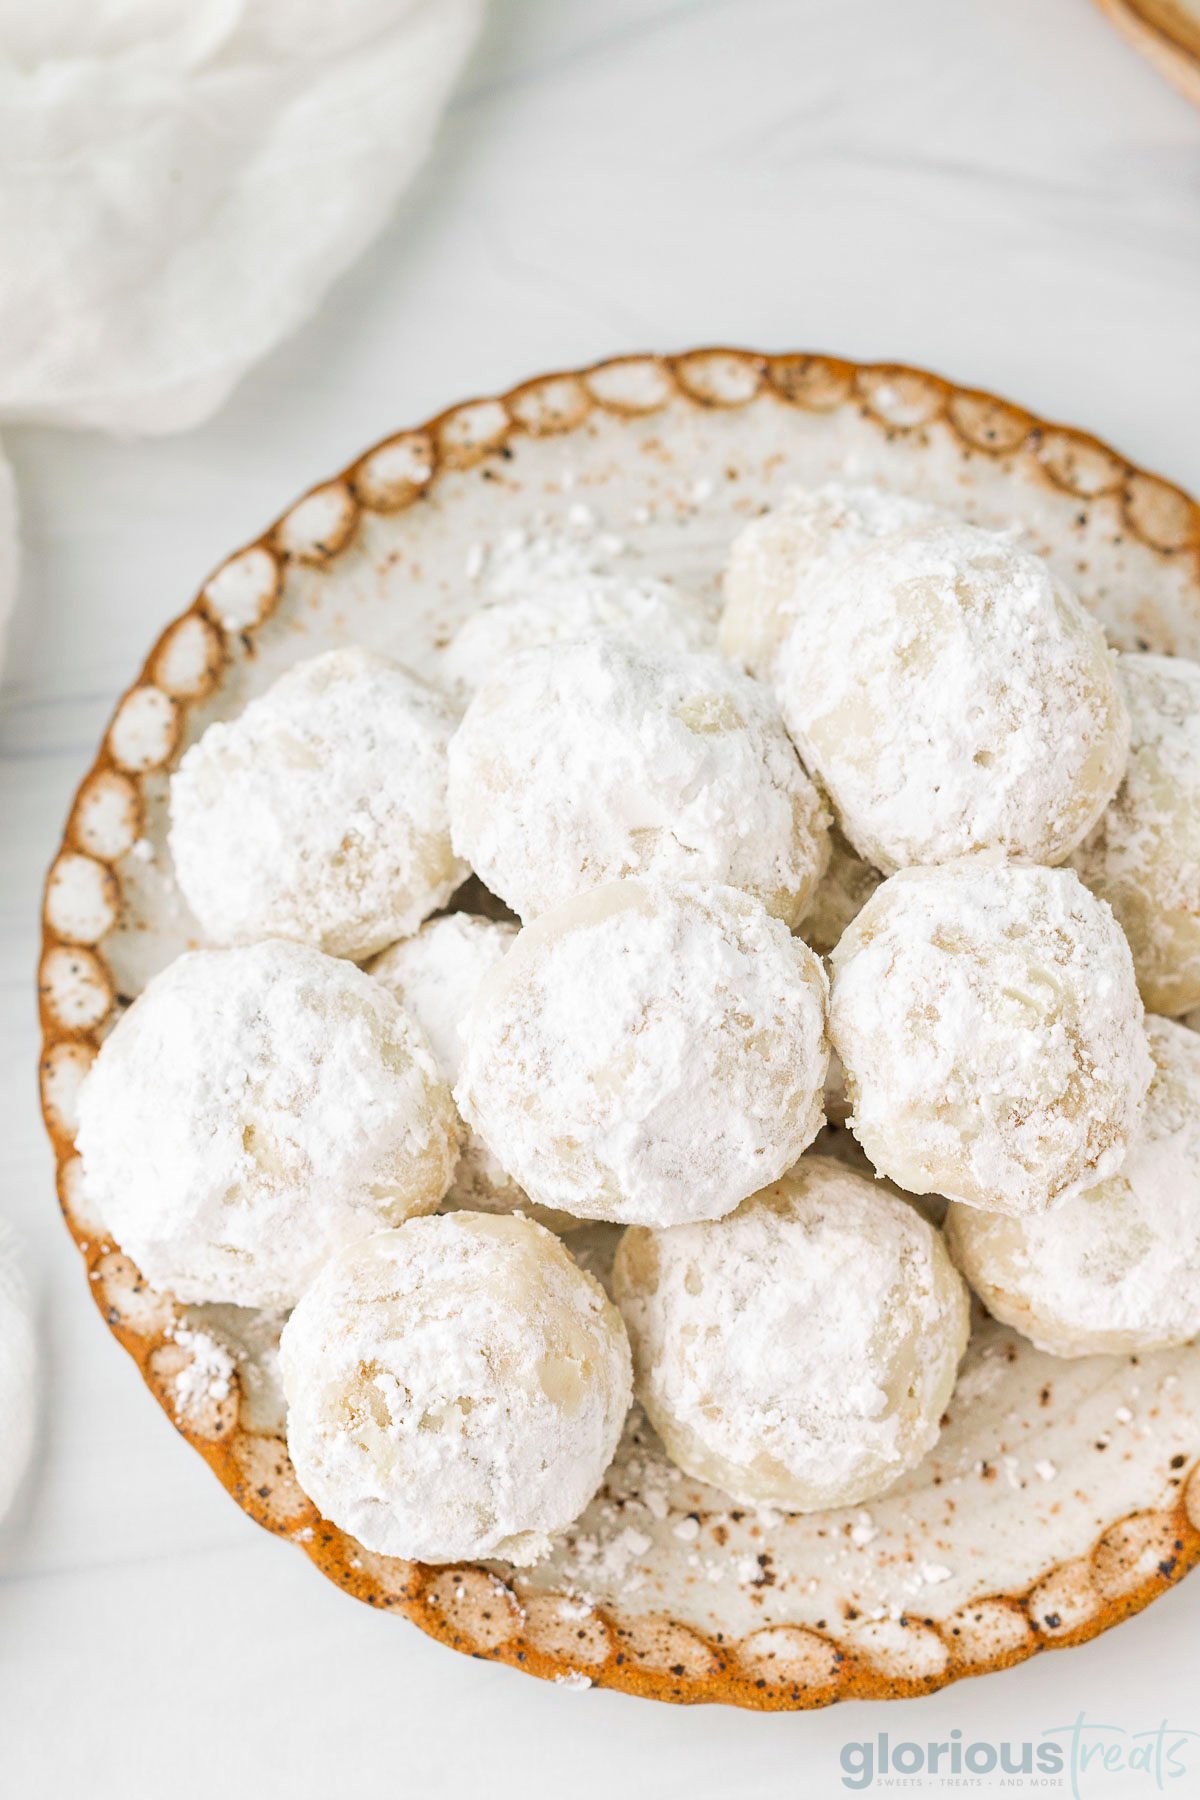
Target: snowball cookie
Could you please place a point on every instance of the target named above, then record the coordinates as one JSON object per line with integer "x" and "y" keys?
{"x": 836, "y": 1103}
{"x": 837, "y": 1141}
{"x": 253, "y": 1111}
{"x": 1144, "y": 855}
{"x": 320, "y": 812}
{"x": 648, "y": 1053}
{"x": 435, "y": 975}
{"x": 586, "y": 761}
{"x": 1117, "y": 1268}
{"x": 652, "y": 613}
{"x": 950, "y": 694}
{"x": 846, "y": 887}
{"x": 989, "y": 1023}
{"x": 802, "y": 1351}
{"x": 455, "y": 1388}
{"x": 436, "y": 972}
{"x": 779, "y": 563}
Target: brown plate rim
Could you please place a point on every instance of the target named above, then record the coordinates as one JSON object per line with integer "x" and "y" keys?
{"x": 1149, "y": 32}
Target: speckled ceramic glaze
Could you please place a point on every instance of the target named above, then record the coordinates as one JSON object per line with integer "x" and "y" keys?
{"x": 1062, "y": 1496}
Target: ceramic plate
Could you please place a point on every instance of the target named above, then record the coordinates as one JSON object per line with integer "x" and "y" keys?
{"x": 1062, "y": 1496}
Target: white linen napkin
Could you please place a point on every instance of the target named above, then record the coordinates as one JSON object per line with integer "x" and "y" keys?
{"x": 181, "y": 180}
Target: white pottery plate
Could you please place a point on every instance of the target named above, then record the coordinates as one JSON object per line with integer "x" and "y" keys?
{"x": 1062, "y": 1496}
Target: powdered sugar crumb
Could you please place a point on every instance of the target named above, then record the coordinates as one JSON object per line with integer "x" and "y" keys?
{"x": 206, "y": 1376}
{"x": 864, "y": 1531}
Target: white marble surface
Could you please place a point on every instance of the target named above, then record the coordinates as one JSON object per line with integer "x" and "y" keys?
{"x": 996, "y": 190}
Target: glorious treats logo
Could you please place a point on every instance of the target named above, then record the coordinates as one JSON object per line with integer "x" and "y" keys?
{"x": 1082, "y": 1759}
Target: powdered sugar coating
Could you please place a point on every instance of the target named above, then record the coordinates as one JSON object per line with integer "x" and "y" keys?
{"x": 989, "y": 1023}
{"x": 584, "y": 762}
{"x": 320, "y": 812}
{"x": 455, "y": 1388}
{"x": 648, "y": 612}
{"x": 435, "y": 974}
{"x": 1116, "y": 1269}
{"x": 1144, "y": 855}
{"x": 648, "y": 1053}
{"x": 947, "y": 690}
{"x": 253, "y": 1111}
{"x": 801, "y": 1351}
{"x": 780, "y": 564}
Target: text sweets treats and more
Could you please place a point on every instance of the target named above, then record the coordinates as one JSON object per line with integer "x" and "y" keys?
{"x": 648, "y": 1053}
{"x": 991, "y": 1033}
{"x": 801, "y": 1351}
{"x": 256, "y": 1110}
{"x": 435, "y": 974}
{"x": 1117, "y": 1269}
{"x": 943, "y": 686}
{"x": 320, "y": 812}
{"x": 583, "y": 762}
{"x": 456, "y": 1388}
